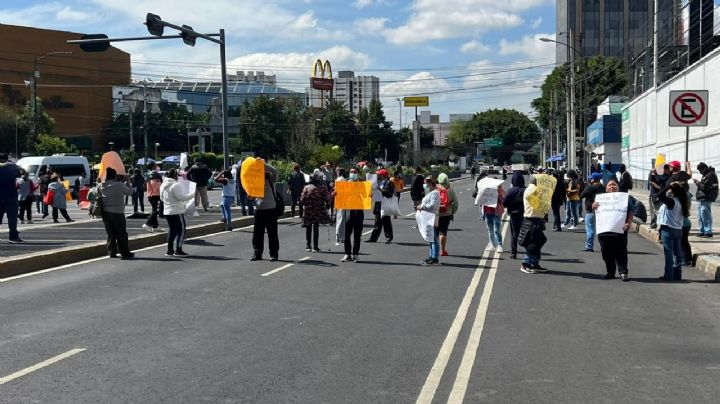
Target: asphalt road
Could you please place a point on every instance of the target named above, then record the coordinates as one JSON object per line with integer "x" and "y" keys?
{"x": 212, "y": 328}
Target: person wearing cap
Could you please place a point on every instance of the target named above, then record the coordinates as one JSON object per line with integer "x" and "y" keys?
{"x": 382, "y": 222}
{"x": 707, "y": 193}
{"x": 588, "y": 196}
{"x": 683, "y": 177}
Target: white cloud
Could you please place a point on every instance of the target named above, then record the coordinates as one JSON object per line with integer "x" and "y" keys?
{"x": 446, "y": 19}
{"x": 371, "y": 26}
{"x": 535, "y": 24}
{"x": 530, "y": 45}
{"x": 360, "y": 4}
{"x": 474, "y": 47}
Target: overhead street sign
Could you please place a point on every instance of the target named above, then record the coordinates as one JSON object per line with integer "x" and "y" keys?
{"x": 689, "y": 108}
{"x": 493, "y": 142}
{"x": 416, "y": 101}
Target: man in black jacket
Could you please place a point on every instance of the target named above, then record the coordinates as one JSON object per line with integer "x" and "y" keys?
{"x": 626, "y": 181}
{"x": 707, "y": 193}
{"x": 417, "y": 192}
{"x": 200, "y": 174}
{"x": 296, "y": 182}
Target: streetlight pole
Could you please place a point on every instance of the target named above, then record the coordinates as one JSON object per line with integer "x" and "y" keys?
{"x": 34, "y": 79}
{"x": 156, "y": 155}
{"x": 399, "y": 100}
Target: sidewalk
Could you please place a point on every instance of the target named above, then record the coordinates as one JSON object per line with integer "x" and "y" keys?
{"x": 706, "y": 251}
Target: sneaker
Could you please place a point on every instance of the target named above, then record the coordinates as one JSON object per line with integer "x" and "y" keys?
{"x": 70, "y": 221}
{"x": 513, "y": 256}
{"x": 444, "y": 253}
{"x": 256, "y": 258}
{"x": 346, "y": 258}
{"x": 159, "y": 229}
{"x": 435, "y": 261}
{"x": 337, "y": 243}
{"x": 624, "y": 277}
{"x": 181, "y": 253}
{"x": 22, "y": 222}
{"x": 388, "y": 241}
{"x": 148, "y": 228}
{"x": 572, "y": 227}
{"x": 16, "y": 240}
{"x": 427, "y": 261}
{"x": 581, "y": 220}
{"x": 273, "y": 258}
{"x": 539, "y": 268}
{"x": 588, "y": 250}
{"x": 169, "y": 254}
{"x": 316, "y": 250}
{"x": 128, "y": 256}
{"x": 228, "y": 228}
{"x": 355, "y": 258}
{"x": 489, "y": 247}
{"x": 499, "y": 249}
{"x": 563, "y": 226}
{"x": 308, "y": 249}
{"x": 526, "y": 269}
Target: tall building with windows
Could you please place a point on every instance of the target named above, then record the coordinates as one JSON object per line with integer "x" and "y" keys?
{"x": 613, "y": 28}
{"x": 355, "y": 91}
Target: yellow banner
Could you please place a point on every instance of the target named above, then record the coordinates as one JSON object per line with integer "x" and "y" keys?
{"x": 416, "y": 101}
{"x": 252, "y": 177}
{"x": 541, "y": 197}
{"x": 355, "y": 195}
{"x": 659, "y": 161}
{"x": 68, "y": 194}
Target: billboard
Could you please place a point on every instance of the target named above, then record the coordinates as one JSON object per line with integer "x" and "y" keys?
{"x": 416, "y": 101}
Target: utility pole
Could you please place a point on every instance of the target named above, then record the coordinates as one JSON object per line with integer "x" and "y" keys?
{"x": 145, "y": 121}
{"x": 571, "y": 132}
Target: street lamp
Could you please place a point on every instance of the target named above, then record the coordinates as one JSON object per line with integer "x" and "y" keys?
{"x": 34, "y": 79}
{"x": 399, "y": 100}
{"x": 570, "y": 149}
{"x": 156, "y": 146}
{"x": 111, "y": 144}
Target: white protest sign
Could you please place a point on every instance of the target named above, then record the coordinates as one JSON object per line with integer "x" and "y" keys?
{"x": 376, "y": 195}
{"x": 611, "y": 212}
{"x": 488, "y": 192}
{"x": 189, "y": 188}
{"x": 183, "y": 161}
{"x": 425, "y": 224}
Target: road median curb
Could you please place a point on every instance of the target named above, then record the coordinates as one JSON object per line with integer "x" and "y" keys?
{"x": 37, "y": 261}
{"x": 708, "y": 264}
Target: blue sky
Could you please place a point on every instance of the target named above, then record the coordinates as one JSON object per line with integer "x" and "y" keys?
{"x": 469, "y": 55}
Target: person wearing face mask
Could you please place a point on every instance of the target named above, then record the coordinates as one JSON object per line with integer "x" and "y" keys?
{"x": 670, "y": 219}
{"x": 382, "y": 222}
{"x": 431, "y": 203}
{"x": 340, "y": 214}
{"x": 353, "y": 227}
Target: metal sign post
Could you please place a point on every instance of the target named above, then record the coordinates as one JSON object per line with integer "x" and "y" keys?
{"x": 688, "y": 108}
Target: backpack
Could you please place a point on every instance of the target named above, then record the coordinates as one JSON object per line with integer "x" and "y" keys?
{"x": 640, "y": 212}
{"x": 444, "y": 199}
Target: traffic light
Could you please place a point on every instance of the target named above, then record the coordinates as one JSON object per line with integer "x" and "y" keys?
{"x": 188, "y": 38}
{"x": 154, "y": 24}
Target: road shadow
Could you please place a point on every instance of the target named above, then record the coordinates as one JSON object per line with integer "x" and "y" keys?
{"x": 156, "y": 259}
{"x": 585, "y": 275}
{"x": 642, "y": 253}
{"x": 469, "y": 257}
{"x": 566, "y": 260}
{"x": 210, "y": 258}
{"x": 412, "y": 244}
{"x": 203, "y": 243}
{"x": 317, "y": 263}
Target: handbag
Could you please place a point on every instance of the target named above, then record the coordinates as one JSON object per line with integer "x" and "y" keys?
{"x": 279, "y": 203}
{"x": 96, "y": 206}
{"x": 49, "y": 197}
{"x": 389, "y": 207}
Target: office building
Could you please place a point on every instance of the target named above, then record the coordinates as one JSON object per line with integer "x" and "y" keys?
{"x": 355, "y": 91}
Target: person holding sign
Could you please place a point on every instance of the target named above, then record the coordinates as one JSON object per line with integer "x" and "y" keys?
{"x": 353, "y": 225}
{"x": 431, "y": 203}
{"x": 383, "y": 221}
{"x": 266, "y": 217}
{"x": 614, "y": 215}
{"x": 532, "y": 235}
{"x": 676, "y": 206}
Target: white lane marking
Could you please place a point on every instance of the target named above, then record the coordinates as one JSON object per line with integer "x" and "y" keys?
{"x": 410, "y": 214}
{"x": 39, "y": 366}
{"x": 367, "y": 232}
{"x": 457, "y": 395}
{"x": 433, "y": 380}
{"x": 44, "y": 271}
{"x": 286, "y": 266}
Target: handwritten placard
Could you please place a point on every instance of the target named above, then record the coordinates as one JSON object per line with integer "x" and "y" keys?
{"x": 252, "y": 177}
{"x": 488, "y": 192}
{"x": 611, "y": 212}
{"x": 353, "y": 195}
{"x": 425, "y": 224}
{"x": 376, "y": 195}
{"x": 540, "y": 198}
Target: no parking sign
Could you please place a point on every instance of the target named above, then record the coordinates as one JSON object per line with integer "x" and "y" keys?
{"x": 688, "y": 108}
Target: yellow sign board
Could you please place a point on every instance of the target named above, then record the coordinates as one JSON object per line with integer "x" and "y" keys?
{"x": 416, "y": 101}
{"x": 353, "y": 195}
{"x": 541, "y": 197}
{"x": 252, "y": 177}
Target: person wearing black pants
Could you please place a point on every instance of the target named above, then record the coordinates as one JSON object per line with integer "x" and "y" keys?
{"x": 685, "y": 243}
{"x": 266, "y": 219}
{"x": 176, "y": 234}
{"x": 174, "y": 199}
{"x": 614, "y": 252}
{"x": 515, "y": 206}
{"x": 112, "y": 193}
{"x": 558, "y": 198}
{"x": 382, "y": 222}
{"x": 353, "y": 228}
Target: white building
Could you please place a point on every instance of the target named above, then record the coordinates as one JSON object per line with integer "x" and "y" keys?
{"x": 645, "y": 123}
{"x": 441, "y": 130}
{"x": 355, "y": 91}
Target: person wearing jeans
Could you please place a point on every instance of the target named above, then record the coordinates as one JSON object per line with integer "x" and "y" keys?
{"x": 670, "y": 219}
{"x": 573, "y": 201}
{"x": 228, "y": 196}
{"x": 707, "y": 193}
{"x": 588, "y": 195}
{"x": 492, "y": 216}
{"x": 431, "y": 203}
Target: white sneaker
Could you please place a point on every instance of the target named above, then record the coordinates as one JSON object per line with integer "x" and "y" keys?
{"x": 346, "y": 259}
{"x": 337, "y": 243}
{"x": 499, "y": 249}
{"x": 563, "y": 226}
{"x": 148, "y": 228}
{"x": 582, "y": 220}
{"x": 490, "y": 247}
{"x": 572, "y": 227}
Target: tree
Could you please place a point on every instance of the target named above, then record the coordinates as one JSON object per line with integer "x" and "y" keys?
{"x": 427, "y": 137}
{"x": 378, "y": 133}
{"x": 459, "y": 139}
{"x": 47, "y": 145}
{"x": 264, "y": 126}
{"x": 9, "y": 123}
{"x": 337, "y": 127}
{"x": 508, "y": 124}
{"x": 45, "y": 123}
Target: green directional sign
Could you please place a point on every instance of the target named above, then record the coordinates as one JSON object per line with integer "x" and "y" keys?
{"x": 493, "y": 142}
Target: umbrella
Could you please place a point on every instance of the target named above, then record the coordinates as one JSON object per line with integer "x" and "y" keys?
{"x": 142, "y": 161}
{"x": 172, "y": 159}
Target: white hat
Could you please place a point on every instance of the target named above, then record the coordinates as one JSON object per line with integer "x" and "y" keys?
{"x": 317, "y": 173}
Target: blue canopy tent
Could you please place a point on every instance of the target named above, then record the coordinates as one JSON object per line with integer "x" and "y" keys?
{"x": 171, "y": 159}
{"x": 557, "y": 157}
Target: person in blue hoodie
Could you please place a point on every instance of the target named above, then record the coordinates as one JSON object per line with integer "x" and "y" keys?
{"x": 514, "y": 204}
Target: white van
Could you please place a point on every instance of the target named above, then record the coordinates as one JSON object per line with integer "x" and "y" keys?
{"x": 70, "y": 167}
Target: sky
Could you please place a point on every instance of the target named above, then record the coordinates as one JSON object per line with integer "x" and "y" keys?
{"x": 466, "y": 55}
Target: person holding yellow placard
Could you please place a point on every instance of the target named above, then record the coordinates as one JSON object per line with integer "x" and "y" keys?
{"x": 266, "y": 217}
{"x": 354, "y": 224}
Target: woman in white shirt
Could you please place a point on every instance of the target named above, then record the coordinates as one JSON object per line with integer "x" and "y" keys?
{"x": 431, "y": 203}
{"x": 670, "y": 220}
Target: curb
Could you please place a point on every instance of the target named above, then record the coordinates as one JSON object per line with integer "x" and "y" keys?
{"x": 23, "y": 264}
{"x": 708, "y": 264}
